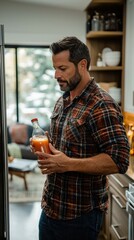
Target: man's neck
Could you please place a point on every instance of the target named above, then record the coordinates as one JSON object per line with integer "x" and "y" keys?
{"x": 77, "y": 91}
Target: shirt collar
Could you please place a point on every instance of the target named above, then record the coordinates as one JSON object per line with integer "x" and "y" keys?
{"x": 85, "y": 92}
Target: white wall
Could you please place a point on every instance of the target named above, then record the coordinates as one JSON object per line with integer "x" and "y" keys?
{"x": 36, "y": 24}
{"x": 129, "y": 58}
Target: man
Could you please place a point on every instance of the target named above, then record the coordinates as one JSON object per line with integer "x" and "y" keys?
{"x": 88, "y": 143}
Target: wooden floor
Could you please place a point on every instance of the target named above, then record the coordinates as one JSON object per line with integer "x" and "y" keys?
{"x": 24, "y": 218}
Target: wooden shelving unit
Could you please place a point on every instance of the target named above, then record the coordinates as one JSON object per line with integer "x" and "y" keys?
{"x": 98, "y": 40}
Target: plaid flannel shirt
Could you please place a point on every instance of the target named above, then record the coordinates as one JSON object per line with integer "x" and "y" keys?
{"x": 89, "y": 125}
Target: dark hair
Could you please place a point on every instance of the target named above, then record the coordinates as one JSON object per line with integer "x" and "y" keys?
{"x": 77, "y": 49}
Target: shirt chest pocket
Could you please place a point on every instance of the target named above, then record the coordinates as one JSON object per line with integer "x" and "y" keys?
{"x": 55, "y": 124}
{"x": 74, "y": 130}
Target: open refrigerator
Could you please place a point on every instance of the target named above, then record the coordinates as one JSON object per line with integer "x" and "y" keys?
{"x": 4, "y": 198}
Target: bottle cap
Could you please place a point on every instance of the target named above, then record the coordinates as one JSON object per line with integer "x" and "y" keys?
{"x": 34, "y": 119}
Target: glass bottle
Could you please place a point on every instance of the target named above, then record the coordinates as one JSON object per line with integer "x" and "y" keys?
{"x": 88, "y": 24}
{"x": 95, "y": 22}
{"x": 40, "y": 140}
{"x": 107, "y": 22}
{"x": 113, "y": 22}
{"x": 101, "y": 23}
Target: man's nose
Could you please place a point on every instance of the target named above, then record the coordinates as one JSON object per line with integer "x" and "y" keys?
{"x": 57, "y": 74}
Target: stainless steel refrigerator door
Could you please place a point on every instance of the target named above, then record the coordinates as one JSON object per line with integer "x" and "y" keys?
{"x": 4, "y": 202}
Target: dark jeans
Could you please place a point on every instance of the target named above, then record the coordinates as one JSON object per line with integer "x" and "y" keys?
{"x": 86, "y": 227}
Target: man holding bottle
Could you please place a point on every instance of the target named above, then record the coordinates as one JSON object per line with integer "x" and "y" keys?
{"x": 88, "y": 143}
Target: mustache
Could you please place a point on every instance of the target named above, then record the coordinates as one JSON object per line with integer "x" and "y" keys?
{"x": 59, "y": 80}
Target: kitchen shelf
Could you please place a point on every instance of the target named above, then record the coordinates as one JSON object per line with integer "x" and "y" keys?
{"x": 95, "y": 68}
{"x": 103, "y": 34}
{"x": 115, "y": 40}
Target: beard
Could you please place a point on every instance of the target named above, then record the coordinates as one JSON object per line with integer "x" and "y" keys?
{"x": 70, "y": 84}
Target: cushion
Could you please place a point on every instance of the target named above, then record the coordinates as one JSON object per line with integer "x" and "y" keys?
{"x": 18, "y": 133}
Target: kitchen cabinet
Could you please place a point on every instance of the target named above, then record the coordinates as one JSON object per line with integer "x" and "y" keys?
{"x": 115, "y": 40}
{"x": 118, "y": 216}
{"x": 116, "y": 222}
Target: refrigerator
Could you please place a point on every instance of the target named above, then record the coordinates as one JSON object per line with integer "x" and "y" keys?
{"x": 4, "y": 198}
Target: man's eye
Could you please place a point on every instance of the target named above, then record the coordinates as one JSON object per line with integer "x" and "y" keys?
{"x": 63, "y": 69}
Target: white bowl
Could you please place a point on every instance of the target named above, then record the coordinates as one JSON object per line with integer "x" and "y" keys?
{"x": 113, "y": 53}
{"x": 112, "y": 58}
{"x": 104, "y": 51}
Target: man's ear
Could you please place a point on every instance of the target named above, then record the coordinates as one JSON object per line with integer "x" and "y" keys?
{"x": 83, "y": 64}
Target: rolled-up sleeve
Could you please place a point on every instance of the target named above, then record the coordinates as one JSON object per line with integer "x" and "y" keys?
{"x": 109, "y": 134}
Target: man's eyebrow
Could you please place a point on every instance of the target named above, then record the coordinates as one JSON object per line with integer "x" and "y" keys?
{"x": 60, "y": 66}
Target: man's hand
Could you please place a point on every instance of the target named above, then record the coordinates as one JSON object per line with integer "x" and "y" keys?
{"x": 57, "y": 162}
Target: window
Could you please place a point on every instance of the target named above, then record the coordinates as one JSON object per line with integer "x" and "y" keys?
{"x": 10, "y": 85}
{"x": 31, "y": 90}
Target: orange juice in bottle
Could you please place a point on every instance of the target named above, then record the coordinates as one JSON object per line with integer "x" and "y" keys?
{"x": 40, "y": 140}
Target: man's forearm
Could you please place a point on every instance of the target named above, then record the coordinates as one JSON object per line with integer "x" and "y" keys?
{"x": 99, "y": 164}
